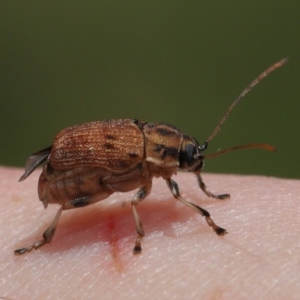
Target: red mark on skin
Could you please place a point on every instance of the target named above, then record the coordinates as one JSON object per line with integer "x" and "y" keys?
{"x": 113, "y": 240}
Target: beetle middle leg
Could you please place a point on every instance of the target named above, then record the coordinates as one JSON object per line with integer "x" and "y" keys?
{"x": 138, "y": 197}
{"x": 208, "y": 193}
{"x": 173, "y": 186}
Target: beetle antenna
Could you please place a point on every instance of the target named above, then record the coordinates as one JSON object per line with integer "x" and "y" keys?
{"x": 248, "y": 146}
{"x": 244, "y": 92}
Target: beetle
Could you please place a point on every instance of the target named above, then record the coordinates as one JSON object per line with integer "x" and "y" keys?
{"x": 89, "y": 162}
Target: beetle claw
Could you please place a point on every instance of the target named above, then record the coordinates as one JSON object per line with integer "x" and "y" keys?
{"x": 221, "y": 231}
{"x": 137, "y": 249}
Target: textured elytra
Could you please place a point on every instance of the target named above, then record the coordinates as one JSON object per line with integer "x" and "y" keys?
{"x": 114, "y": 145}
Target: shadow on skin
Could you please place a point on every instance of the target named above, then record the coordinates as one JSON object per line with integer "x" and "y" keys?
{"x": 115, "y": 223}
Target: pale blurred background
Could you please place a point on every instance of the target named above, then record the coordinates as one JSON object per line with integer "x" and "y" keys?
{"x": 179, "y": 62}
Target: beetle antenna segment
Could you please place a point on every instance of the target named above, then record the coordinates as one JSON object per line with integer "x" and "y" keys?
{"x": 245, "y": 91}
{"x": 248, "y": 146}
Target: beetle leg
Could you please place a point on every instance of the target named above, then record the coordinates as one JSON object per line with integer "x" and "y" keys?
{"x": 208, "y": 193}
{"x": 47, "y": 236}
{"x": 173, "y": 186}
{"x": 138, "y": 197}
{"x": 49, "y": 233}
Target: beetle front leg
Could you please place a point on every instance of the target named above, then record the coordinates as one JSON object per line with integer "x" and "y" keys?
{"x": 208, "y": 193}
{"x": 138, "y": 197}
{"x": 47, "y": 236}
{"x": 173, "y": 186}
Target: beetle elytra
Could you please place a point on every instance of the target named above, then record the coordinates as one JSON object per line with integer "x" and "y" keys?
{"x": 89, "y": 162}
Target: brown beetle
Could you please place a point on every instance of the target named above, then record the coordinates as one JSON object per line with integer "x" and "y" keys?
{"x": 89, "y": 162}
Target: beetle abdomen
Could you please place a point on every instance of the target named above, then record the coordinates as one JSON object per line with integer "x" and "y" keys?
{"x": 112, "y": 144}
{"x": 68, "y": 185}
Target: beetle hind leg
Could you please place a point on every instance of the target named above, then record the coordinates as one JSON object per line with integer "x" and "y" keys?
{"x": 138, "y": 197}
{"x": 173, "y": 186}
{"x": 49, "y": 233}
{"x": 47, "y": 236}
{"x": 208, "y": 193}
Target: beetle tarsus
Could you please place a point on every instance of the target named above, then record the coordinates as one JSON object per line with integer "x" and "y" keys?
{"x": 21, "y": 251}
{"x": 223, "y": 196}
{"x": 221, "y": 231}
{"x": 29, "y": 248}
{"x": 208, "y": 193}
{"x": 218, "y": 230}
{"x": 137, "y": 247}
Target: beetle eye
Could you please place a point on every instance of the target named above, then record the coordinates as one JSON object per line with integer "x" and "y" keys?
{"x": 190, "y": 151}
{"x": 187, "y": 157}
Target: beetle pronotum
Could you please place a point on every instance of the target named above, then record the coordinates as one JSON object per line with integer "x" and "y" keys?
{"x": 89, "y": 162}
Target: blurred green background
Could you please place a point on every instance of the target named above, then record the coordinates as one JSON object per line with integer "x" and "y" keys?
{"x": 180, "y": 62}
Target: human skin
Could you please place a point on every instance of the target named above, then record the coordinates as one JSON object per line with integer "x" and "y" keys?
{"x": 90, "y": 256}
